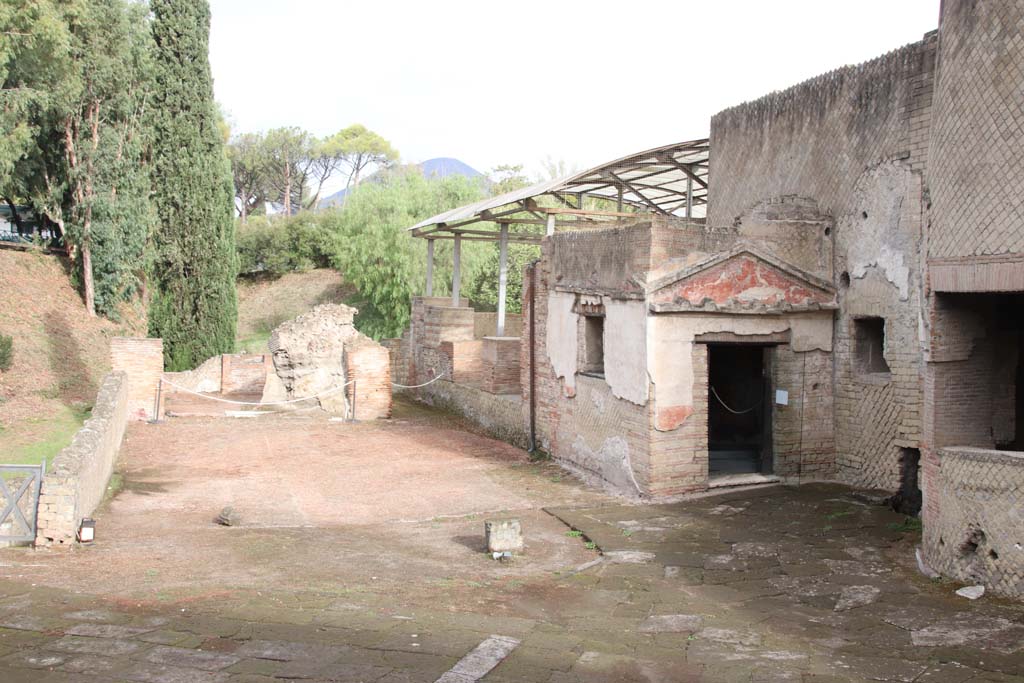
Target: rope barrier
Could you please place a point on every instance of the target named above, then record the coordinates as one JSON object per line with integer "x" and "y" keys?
{"x": 415, "y": 386}
{"x": 257, "y": 403}
{"x": 734, "y": 412}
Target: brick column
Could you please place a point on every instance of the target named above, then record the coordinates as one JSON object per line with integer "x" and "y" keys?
{"x": 142, "y": 360}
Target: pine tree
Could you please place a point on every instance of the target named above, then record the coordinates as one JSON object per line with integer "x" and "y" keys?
{"x": 193, "y": 305}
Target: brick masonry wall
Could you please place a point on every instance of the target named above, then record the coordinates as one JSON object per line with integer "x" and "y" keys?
{"x": 803, "y": 441}
{"x": 485, "y": 324}
{"x": 815, "y": 138}
{"x": 142, "y": 360}
{"x": 245, "y": 372}
{"x": 973, "y": 535}
{"x": 976, "y": 174}
{"x": 76, "y": 480}
{"x": 206, "y": 378}
{"x": 678, "y": 460}
{"x": 589, "y": 431}
{"x": 369, "y": 364}
{"x": 852, "y": 144}
{"x": 504, "y": 417}
{"x": 500, "y": 359}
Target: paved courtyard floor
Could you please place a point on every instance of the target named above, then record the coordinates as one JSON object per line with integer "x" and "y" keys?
{"x": 359, "y": 557}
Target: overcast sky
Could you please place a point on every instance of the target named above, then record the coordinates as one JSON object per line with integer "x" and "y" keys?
{"x": 515, "y": 82}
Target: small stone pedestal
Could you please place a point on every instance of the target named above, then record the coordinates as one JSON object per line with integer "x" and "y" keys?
{"x": 503, "y": 535}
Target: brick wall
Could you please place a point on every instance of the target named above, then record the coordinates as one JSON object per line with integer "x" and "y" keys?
{"x": 142, "y": 360}
{"x": 76, "y": 480}
{"x": 485, "y": 324}
{"x": 500, "y": 360}
{"x": 977, "y": 170}
{"x": 973, "y": 535}
{"x": 849, "y": 146}
{"x": 504, "y": 417}
{"x": 587, "y": 429}
{"x": 804, "y": 438}
{"x": 369, "y": 364}
{"x": 815, "y": 138}
{"x": 245, "y": 373}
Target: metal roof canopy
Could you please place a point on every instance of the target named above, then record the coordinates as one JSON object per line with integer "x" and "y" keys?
{"x": 669, "y": 180}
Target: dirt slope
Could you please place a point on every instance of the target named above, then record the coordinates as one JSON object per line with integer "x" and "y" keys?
{"x": 60, "y": 353}
{"x": 263, "y": 304}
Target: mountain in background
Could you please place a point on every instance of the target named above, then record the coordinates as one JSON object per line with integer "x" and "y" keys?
{"x": 441, "y": 167}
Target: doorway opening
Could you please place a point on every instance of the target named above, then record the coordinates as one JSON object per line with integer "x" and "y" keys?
{"x": 739, "y": 417}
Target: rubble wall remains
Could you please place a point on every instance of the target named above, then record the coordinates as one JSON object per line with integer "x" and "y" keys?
{"x": 320, "y": 353}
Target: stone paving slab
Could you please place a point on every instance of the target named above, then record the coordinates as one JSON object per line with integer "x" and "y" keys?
{"x": 798, "y": 599}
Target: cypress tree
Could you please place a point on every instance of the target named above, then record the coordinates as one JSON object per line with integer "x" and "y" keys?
{"x": 193, "y": 304}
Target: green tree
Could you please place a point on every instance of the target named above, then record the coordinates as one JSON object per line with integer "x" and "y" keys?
{"x": 250, "y": 168}
{"x": 483, "y": 286}
{"x": 506, "y": 178}
{"x": 193, "y": 306}
{"x": 78, "y": 76}
{"x": 360, "y": 147}
{"x": 287, "y": 151}
{"x": 372, "y": 247}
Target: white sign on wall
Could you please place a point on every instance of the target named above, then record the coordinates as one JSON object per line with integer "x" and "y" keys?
{"x": 782, "y": 397}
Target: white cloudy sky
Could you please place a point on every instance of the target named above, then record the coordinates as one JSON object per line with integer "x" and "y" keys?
{"x": 501, "y": 82}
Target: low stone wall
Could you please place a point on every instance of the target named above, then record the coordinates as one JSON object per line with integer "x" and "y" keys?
{"x": 76, "y": 481}
{"x": 974, "y": 516}
{"x": 204, "y": 379}
{"x": 504, "y": 417}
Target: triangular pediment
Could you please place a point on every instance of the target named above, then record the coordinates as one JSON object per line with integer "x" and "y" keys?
{"x": 741, "y": 277}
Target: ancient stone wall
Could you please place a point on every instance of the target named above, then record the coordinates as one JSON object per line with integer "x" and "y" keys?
{"x": 973, "y": 535}
{"x": 504, "y": 417}
{"x": 850, "y": 147}
{"x": 142, "y": 360}
{"x": 76, "y": 480}
{"x": 244, "y": 373}
{"x": 976, "y": 169}
{"x": 320, "y": 353}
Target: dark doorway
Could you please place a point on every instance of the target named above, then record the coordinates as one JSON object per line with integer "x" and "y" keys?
{"x": 739, "y": 430}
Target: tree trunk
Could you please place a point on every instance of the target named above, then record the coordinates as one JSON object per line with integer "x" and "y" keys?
{"x": 287, "y": 188}
{"x": 90, "y": 291}
{"x": 18, "y": 225}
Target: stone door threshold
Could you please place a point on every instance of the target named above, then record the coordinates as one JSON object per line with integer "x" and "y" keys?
{"x": 749, "y": 479}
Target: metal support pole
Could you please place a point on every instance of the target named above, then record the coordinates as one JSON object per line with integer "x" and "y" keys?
{"x": 502, "y": 277}
{"x": 619, "y": 203}
{"x": 430, "y": 267}
{"x": 456, "y": 268}
{"x": 689, "y": 197}
{"x": 550, "y": 225}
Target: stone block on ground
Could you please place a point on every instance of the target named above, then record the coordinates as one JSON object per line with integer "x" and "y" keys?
{"x": 504, "y": 535}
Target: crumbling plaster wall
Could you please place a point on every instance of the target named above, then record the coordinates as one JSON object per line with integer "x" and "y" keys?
{"x": 679, "y": 376}
{"x": 878, "y": 258}
{"x": 580, "y": 420}
{"x": 855, "y": 141}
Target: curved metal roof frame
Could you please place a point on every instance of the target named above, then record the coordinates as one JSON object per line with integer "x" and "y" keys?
{"x": 669, "y": 180}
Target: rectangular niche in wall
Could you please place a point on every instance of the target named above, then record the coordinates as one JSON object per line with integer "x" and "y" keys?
{"x": 869, "y": 345}
{"x": 593, "y": 345}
